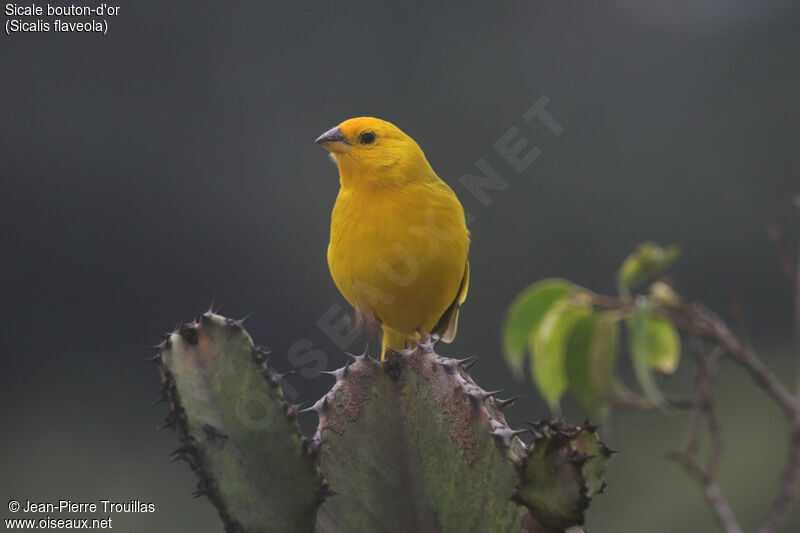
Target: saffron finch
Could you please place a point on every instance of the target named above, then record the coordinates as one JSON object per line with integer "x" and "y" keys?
{"x": 399, "y": 241}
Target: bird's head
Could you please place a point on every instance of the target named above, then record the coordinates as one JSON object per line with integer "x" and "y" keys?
{"x": 374, "y": 151}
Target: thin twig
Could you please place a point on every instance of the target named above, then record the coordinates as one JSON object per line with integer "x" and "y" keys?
{"x": 783, "y": 250}
{"x": 705, "y": 323}
{"x": 714, "y": 432}
{"x": 718, "y": 503}
{"x": 788, "y": 487}
{"x": 698, "y": 321}
{"x": 704, "y": 408}
{"x": 642, "y": 402}
{"x": 797, "y": 295}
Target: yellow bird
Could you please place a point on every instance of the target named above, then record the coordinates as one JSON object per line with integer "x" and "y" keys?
{"x": 399, "y": 241}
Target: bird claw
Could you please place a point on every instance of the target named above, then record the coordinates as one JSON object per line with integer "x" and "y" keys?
{"x": 425, "y": 341}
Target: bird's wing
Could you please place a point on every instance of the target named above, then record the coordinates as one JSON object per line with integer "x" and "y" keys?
{"x": 446, "y": 328}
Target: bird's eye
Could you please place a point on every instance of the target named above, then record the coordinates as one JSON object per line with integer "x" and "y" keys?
{"x": 367, "y": 137}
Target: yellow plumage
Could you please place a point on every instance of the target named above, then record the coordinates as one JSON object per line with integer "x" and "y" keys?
{"x": 399, "y": 241}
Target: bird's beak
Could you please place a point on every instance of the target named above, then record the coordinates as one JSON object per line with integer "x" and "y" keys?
{"x": 333, "y": 140}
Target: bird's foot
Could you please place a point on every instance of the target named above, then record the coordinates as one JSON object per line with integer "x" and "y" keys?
{"x": 425, "y": 340}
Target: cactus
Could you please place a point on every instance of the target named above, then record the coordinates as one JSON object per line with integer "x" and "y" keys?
{"x": 408, "y": 444}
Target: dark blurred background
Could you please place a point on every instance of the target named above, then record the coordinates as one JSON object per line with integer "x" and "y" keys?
{"x": 171, "y": 163}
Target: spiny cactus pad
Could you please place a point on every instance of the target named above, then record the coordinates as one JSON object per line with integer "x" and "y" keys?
{"x": 560, "y": 473}
{"x": 416, "y": 427}
{"x": 237, "y": 433}
{"x": 408, "y": 444}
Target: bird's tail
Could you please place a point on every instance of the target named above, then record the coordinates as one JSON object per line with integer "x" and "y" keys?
{"x": 393, "y": 340}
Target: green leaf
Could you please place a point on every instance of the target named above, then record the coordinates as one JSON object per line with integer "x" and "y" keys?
{"x": 525, "y": 314}
{"x": 591, "y": 358}
{"x": 548, "y": 346}
{"x": 605, "y": 349}
{"x": 663, "y": 345}
{"x": 579, "y": 353}
{"x": 654, "y": 345}
{"x": 648, "y": 260}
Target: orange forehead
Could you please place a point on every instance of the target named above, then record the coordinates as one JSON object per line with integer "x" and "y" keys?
{"x": 355, "y": 126}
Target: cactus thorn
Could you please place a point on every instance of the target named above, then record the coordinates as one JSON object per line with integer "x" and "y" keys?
{"x": 270, "y": 378}
{"x": 608, "y": 452}
{"x": 426, "y": 342}
{"x": 175, "y": 457}
{"x": 189, "y": 334}
{"x": 165, "y": 425}
{"x": 307, "y": 409}
{"x": 153, "y": 358}
{"x": 405, "y": 352}
{"x": 502, "y": 404}
{"x": 301, "y": 406}
{"x": 325, "y": 491}
{"x": 482, "y": 395}
{"x": 165, "y": 387}
{"x": 164, "y": 344}
{"x": 580, "y": 459}
{"x": 277, "y": 376}
{"x": 339, "y": 373}
{"x": 291, "y": 410}
{"x": 357, "y": 358}
{"x": 588, "y": 426}
{"x": 428, "y": 347}
{"x": 237, "y": 324}
{"x": 318, "y": 407}
{"x": 205, "y": 487}
{"x": 310, "y": 447}
{"x": 447, "y": 363}
{"x": 171, "y": 420}
{"x": 467, "y": 363}
{"x": 184, "y": 452}
{"x": 535, "y": 435}
{"x": 261, "y": 354}
{"x": 506, "y": 435}
{"x": 212, "y": 433}
{"x": 162, "y": 397}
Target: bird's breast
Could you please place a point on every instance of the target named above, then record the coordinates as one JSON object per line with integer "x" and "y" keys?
{"x": 398, "y": 254}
